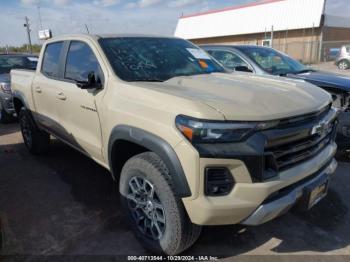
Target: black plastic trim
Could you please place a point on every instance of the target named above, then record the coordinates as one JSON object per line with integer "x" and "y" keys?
{"x": 286, "y": 190}
{"x": 156, "y": 145}
{"x": 254, "y": 151}
{"x": 251, "y": 152}
{"x": 229, "y": 181}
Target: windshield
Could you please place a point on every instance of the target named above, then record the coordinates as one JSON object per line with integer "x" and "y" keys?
{"x": 156, "y": 59}
{"x": 274, "y": 62}
{"x": 8, "y": 62}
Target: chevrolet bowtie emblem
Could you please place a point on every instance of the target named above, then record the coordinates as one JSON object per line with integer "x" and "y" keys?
{"x": 321, "y": 129}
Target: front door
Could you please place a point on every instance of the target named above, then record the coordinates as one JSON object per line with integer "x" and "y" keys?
{"x": 78, "y": 111}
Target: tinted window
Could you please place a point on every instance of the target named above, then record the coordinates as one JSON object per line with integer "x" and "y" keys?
{"x": 273, "y": 62}
{"x": 228, "y": 59}
{"x": 81, "y": 61}
{"x": 8, "y": 62}
{"x": 156, "y": 59}
{"x": 51, "y": 59}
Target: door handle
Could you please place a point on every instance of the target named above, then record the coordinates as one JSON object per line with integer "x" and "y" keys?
{"x": 61, "y": 96}
{"x": 38, "y": 89}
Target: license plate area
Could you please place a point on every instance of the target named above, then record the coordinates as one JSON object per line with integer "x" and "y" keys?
{"x": 314, "y": 192}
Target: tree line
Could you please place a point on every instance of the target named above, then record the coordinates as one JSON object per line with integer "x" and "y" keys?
{"x": 20, "y": 49}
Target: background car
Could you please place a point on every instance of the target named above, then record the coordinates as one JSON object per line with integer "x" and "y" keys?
{"x": 265, "y": 60}
{"x": 343, "y": 59}
{"x": 7, "y": 63}
{"x": 332, "y": 54}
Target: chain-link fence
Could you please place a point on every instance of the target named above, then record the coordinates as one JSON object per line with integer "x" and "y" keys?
{"x": 313, "y": 51}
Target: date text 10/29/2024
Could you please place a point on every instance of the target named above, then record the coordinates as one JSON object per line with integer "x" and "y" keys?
{"x": 172, "y": 258}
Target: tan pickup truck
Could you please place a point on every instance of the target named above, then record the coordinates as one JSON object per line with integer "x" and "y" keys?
{"x": 188, "y": 144}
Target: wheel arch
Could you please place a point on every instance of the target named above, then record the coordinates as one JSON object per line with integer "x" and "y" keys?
{"x": 18, "y": 102}
{"x": 126, "y": 141}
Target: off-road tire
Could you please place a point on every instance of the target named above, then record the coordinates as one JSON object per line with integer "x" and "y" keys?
{"x": 5, "y": 117}
{"x": 179, "y": 233}
{"x": 36, "y": 140}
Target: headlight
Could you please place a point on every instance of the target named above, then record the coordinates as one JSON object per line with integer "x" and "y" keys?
{"x": 6, "y": 88}
{"x": 204, "y": 131}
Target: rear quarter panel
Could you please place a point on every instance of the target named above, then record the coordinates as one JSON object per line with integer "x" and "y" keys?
{"x": 21, "y": 84}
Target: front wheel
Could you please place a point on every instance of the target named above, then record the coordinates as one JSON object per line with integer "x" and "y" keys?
{"x": 157, "y": 216}
{"x": 343, "y": 65}
{"x": 36, "y": 140}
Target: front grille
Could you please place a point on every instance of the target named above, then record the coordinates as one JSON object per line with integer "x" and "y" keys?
{"x": 296, "y": 143}
{"x": 308, "y": 118}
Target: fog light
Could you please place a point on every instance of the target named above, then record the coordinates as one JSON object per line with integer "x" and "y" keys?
{"x": 218, "y": 181}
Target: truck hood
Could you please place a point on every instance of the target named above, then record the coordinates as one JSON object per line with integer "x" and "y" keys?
{"x": 326, "y": 79}
{"x": 247, "y": 97}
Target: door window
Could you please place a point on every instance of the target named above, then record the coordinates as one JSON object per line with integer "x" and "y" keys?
{"x": 81, "y": 62}
{"x": 229, "y": 59}
{"x": 51, "y": 59}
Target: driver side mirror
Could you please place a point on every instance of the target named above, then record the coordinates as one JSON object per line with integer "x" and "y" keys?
{"x": 243, "y": 68}
{"x": 90, "y": 83}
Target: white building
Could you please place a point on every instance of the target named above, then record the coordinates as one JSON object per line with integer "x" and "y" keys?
{"x": 301, "y": 28}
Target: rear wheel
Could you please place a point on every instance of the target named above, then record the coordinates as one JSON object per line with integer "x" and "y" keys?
{"x": 5, "y": 117}
{"x": 344, "y": 65}
{"x": 157, "y": 216}
{"x": 36, "y": 140}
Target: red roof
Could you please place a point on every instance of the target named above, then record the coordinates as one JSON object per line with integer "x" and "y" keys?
{"x": 263, "y": 2}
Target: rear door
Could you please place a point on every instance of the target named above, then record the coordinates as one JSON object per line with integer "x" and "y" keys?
{"x": 45, "y": 88}
{"x": 78, "y": 111}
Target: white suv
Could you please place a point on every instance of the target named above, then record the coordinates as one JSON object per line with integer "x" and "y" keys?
{"x": 343, "y": 59}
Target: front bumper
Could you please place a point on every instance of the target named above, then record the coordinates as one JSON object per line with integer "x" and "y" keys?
{"x": 275, "y": 208}
{"x": 6, "y": 103}
{"x": 248, "y": 197}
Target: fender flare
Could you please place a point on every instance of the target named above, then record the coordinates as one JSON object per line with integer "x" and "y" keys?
{"x": 18, "y": 95}
{"x": 156, "y": 145}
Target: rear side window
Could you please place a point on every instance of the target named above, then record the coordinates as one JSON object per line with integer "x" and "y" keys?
{"x": 51, "y": 59}
{"x": 81, "y": 62}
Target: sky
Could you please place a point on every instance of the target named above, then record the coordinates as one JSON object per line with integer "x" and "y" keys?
{"x": 109, "y": 16}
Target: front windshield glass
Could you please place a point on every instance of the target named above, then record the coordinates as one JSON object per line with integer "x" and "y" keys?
{"x": 156, "y": 59}
{"x": 8, "y": 62}
{"x": 274, "y": 62}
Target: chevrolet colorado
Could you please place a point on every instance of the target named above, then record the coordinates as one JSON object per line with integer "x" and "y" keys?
{"x": 188, "y": 144}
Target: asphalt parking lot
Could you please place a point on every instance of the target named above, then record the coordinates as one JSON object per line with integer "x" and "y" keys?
{"x": 64, "y": 203}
